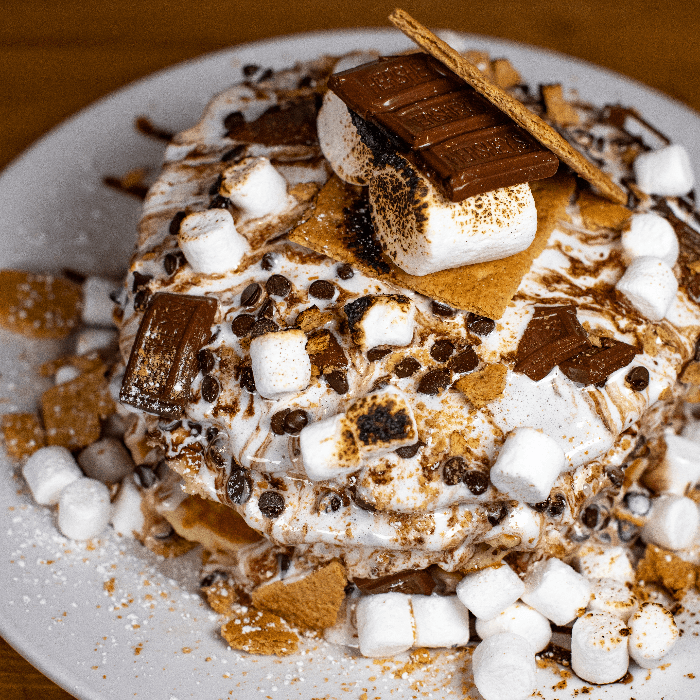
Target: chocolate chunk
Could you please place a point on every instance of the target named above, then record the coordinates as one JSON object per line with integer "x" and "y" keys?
{"x": 409, "y": 582}
{"x": 174, "y": 227}
{"x": 345, "y": 272}
{"x": 246, "y": 378}
{"x": 434, "y": 381}
{"x": 638, "y": 378}
{"x": 479, "y": 324}
{"x": 322, "y": 289}
{"x": 235, "y": 154}
{"x": 595, "y": 517}
{"x": 477, "y": 482}
{"x": 141, "y": 299}
{"x": 207, "y": 360}
{"x": 496, "y": 512}
{"x": 271, "y": 504}
{"x": 251, "y": 294}
{"x": 210, "y": 388}
{"x": 442, "y": 350}
{"x": 239, "y": 485}
{"x": 277, "y": 421}
{"x": 295, "y": 421}
{"x": 465, "y": 361}
{"x": 453, "y": 471}
{"x": 145, "y": 476}
{"x": 337, "y": 380}
{"x": 267, "y": 310}
{"x": 262, "y": 326}
{"x": 595, "y": 365}
{"x": 268, "y": 261}
{"x": 407, "y": 367}
{"x": 278, "y": 286}
{"x": 553, "y": 335}
{"x": 409, "y": 451}
{"x": 377, "y": 353}
{"x": 233, "y": 121}
{"x": 242, "y": 325}
{"x": 163, "y": 358}
{"x": 173, "y": 261}
{"x": 442, "y": 310}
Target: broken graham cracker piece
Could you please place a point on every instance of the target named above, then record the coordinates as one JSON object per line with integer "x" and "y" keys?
{"x": 39, "y": 306}
{"x": 259, "y": 632}
{"x": 561, "y": 112}
{"x": 484, "y": 385}
{"x": 504, "y": 74}
{"x": 598, "y": 213}
{"x": 311, "y": 602}
{"x": 522, "y": 116}
{"x": 663, "y": 567}
{"x": 485, "y": 288}
{"x": 22, "y": 434}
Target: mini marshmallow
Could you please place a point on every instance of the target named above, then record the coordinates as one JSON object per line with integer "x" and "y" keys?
{"x": 106, "y": 460}
{"x": 384, "y": 624}
{"x": 384, "y": 319}
{"x": 90, "y": 339}
{"x": 527, "y": 465}
{"x": 650, "y": 235}
{"x": 210, "y": 242}
{"x": 518, "y": 619}
{"x": 653, "y": 633}
{"x": 127, "y": 515}
{"x": 67, "y": 373}
{"x": 256, "y": 187}
{"x": 554, "y": 589}
{"x": 97, "y": 302}
{"x": 422, "y": 232}
{"x": 678, "y": 470}
{"x": 489, "y": 592}
{"x": 328, "y": 449}
{"x": 666, "y": 171}
{"x": 673, "y": 522}
{"x": 280, "y": 363}
{"x": 48, "y": 471}
{"x": 504, "y": 667}
{"x": 599, "y": 648}
{"x": 441, "y": 621}
{"x": 650, "y": 286}
{"x": 595, "y": 561}
{"x": 612, "y": 597}
{"x": 83, "y": 509}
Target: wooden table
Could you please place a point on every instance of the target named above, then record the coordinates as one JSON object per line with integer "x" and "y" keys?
{"x": 58, "y": 57}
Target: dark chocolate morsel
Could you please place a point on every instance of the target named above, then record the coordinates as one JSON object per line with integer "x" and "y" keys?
{"x": 434, "y": 381}
{"x": 195, "y": 429}
{"x": 174, "y": 227}
{"x": 454, "y": 470}
{"x": 250, "y": 69}
{"x": 251, "y": 294}
{"x": 441, "y": 350}
{"x": 145, "y": 476}
{"x": 595, "y": 364}
{"x": 283, "y": 564}
{"x": 481, "y": 325}
{"x": 262, "y": 326}
{"x": 173, "y": 261}
{"x": 268, "y": 261}
{"x": 345, "y": 271}
{"x": 271, "y": 504}
{"x": 595, "y": 516}
{"x": 141, "y": 299}
{"x": 219, "y": 202}
{"x": 496, "y": 512}
{"x": 140, "y": 280}
{"x": 265, "y": 75}
{"x": 207, "y": 360}
{"x": 322, "y": 289}
{"x": 242, "y": 325}
{"x": 233, "y": 121}
{"x": 210, "y": 388}
{"x": 638, "y": 378}
{"x": 267, "y": 310}
{"x": 277, "y": 421}
{"x": 235, "y": 154}
{"x": 409, "y": 451}
{"x": 278, "y": 286}
{"x": 465, "y": 361}
{"x": 337, "y": 380}
{"x": 407, "y": 367}
{"x": 477, "y": 482}
{"x": 329, "y": 502}
{"x": 556, "y": 505}
{"x": 239, "y": 485}
{"x": 409, "y": 582}
{"x": 295, "y": 421}
{"x": 215, "y": 454}
{"x": 377, "y": 353}
{"x": 442, "y": 309}
{"x": 246, "y": 378}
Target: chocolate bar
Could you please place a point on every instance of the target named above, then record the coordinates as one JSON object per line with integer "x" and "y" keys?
{"x": 595, "y": 365}
{"x": 462, "y": 142}
{"x": 163, "y": 358}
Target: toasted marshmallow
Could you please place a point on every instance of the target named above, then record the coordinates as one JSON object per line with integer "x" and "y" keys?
{"x": 210, "y": 242}
{"x": 97, "y": 303}
{"x": 127, "y": 515}
{"x": 382, "y": 319}
{"x": 106, "y": 460}
{"x": 653, "y": 633}
{"x": 599, "y": 648}
{"x": 490, "y": 591}
{"x": 650, "y": 286}
{"x": 673, "y": 522}
{"x": 48, "y": 471}
{"x": 678, "y": 470}
{"x": 522, "y": 522}
{"x": 527, "y": 465}
{"x": 650, "y": 235}
{"x": 256, "y": 187}
{"x": 422, "y": 232}
{"x": 612, "y": 597}
{"x": 595, "y": 561}
{"x": 441, "y": 621}
{"x": 384, "y": 624}
{"x": 504, "y": 667}
{"x": 518, "y": 619}
{"x": 554, "y": 589}
{"x": 83, "y": 509}
{"x": 328, "y": 449}
{"x": 280, "y": 363}
{"x": 666, "y": 171}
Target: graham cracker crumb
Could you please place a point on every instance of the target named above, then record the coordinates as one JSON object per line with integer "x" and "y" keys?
{"x": 311, "y": 603}
{"x": 664, "y": 567}
{"x": 691, "y": 374}
{"x": 83, "y": 363}
{"x": 484, "y": 385}
{"x": 312, "y": 318}
{"x": 559, "y": 110}
{"x": 504, "y": 74}
{"x": 259, "y": 632}
{"x": 598, "y": 213}
{"x": 22, "y": 434}
{"x": 221, "y": 597}
{"x": 482, "y": 61}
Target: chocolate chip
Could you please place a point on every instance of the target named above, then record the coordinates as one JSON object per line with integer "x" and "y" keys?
{"x": 251, "y": 294}
{"x": 210, "y": 389}
{"x": 173, "y": 261}
{"x": 140, "y": 280}
{"x": 477, "y": 482}
{"x": 442, "y": 310}
{"x": 250, "y": 69}
{"x": 465, "y": 361}
{"x": 219, "y": 202}
{"x": 454, "y": 470}
{"x": 235, "y": 154}
{"x": 174, "y": 227}
{"x": 268, "y": 261}
{"x": 556, "y": 505}
{"x": 246, "y": 378}
{"x": 262, "y": 326}
{"x": 696, "y": 354}
{"x": 442, "y": 350}
{"x": 283, "y": 564}
{"x": 481, "y": 325}
{"x": 616, "y": 476}
{"x": 141, "y": 299}
{"x": 638, "y": 378}
{"x": 294, "y": 421}
{"x": 345, "y": 272}
{"x": 693, "y": 288}
{"x": 409, "y": 450}
{"x": 242, "y": 325}
{"x": 322, "y": 289}
{"x": 329, "y": 502}
{"x": 271, "y": 504}
{"x": 496, "y": 512}
{"x": 277, "y": 421}
{"x": 265, "y": 75}
{"x": 595, "y": 517}
{"x": 337, "y": 380}
{"x": 239, "y": 485}
{"x": 145, "y": 476}
{"x": 267, "y": 310}
{"x": 233, "y": 121}
{"x": 626, "y": 530}
{"x": 278, "y": 286}
{"x": 434, "y": 381}
{"x": 212, "y": 432}
{"x": 407, "y": 367}
{"x": 377, "y": 353}
{"x": 215, "y": 454}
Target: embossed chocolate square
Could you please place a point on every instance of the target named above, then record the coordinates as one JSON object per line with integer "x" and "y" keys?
{"x": 163, "y": 358}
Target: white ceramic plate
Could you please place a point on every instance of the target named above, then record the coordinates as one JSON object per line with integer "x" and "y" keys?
{"x": 114, "y": 621}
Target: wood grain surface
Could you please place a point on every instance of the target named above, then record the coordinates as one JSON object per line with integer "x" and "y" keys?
{"x": 57, "y": 57}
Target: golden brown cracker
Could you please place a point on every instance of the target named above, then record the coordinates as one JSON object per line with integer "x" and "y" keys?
{"x": 484, "y": 288}
{"x": 664, "y": 567}
{"x": 221, "y": 596}
{"x": 522, "y": 116}
{"x": 22, "y": 434}
{"x": 598, "y": 213}
{"x": 83, "y": 363}
{"x": 39, "y": 306}
{"x": 504, "y": 74}
{"x": 691, "y": 374}
{"x": 558, "y": 110}
{"x": 259, "y": 632}
{"x": 311, "y": 602}
{"x": 484, "y": 385}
